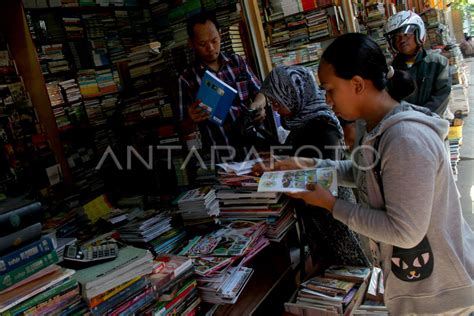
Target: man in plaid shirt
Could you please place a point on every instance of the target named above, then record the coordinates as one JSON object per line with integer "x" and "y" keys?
{"x": 205, "y": 40}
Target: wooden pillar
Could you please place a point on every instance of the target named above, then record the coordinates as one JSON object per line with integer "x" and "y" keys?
{"x": 15, "y": 28}
{"x": 257, "y": 34}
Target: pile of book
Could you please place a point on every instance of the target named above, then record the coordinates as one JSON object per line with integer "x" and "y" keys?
{"x": 52, "y": 59}
{"x": 239, "y": 200}
{"x": 338, "y": 292}
{"x": 145, "y": 59}
{"x": 219, "y": 282}
{"x": 175, "y": 286}
{"x": 146, "y": 227}
{"x": 30, "y": 282}
{"x": 198, "y": 204}
{"x": 118, "y": 286}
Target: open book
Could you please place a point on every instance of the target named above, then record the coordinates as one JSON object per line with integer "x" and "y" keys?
{"x": 216, "y": 97}
{"x": 296, "y": 180}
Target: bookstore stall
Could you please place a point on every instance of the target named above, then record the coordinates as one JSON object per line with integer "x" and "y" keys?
{"x": 105, "y": 207}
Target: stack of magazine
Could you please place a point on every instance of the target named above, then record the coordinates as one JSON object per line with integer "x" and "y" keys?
{"x": 143, "y": 229}
{"x": 240, "y": 200}
{"x": 175, "y": 287}
{"x": 338, "y": 292}
{"x": 214, "y": 255}
{"x": 198, "y": 204}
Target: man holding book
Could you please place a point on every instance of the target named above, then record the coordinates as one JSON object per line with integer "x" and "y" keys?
{"x": 205, "y": 39}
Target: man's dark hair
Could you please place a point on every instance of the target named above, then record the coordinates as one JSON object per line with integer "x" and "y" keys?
{"x": 200, "y": 18}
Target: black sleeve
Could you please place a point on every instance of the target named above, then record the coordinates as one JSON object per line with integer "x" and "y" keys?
{"x": 315, "y": 140}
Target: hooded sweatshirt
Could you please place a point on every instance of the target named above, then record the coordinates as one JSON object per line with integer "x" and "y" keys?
{"x": 419, "y": 201}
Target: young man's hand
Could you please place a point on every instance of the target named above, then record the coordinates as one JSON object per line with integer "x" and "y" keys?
{"x": 197, "y": 113}
{"x": 260, "y": 114}
{"x": 259, "y": 104}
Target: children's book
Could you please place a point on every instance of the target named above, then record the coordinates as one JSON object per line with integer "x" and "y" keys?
{"x": 216, "y": 97}
{"x": 296, "y": 180}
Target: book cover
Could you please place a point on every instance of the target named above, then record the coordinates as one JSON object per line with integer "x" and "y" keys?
{"x": 27, "y": 270}
{"x": 20, "y": 237}
{"x": 296, "y": 180}
{"x": 23, "y": 255}
{"x": 348, "y": 273}
{"x": 18, "y": 213}
{"x": 216, "y": 97}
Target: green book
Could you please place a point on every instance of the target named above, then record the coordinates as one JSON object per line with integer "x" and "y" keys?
{"x": 44, "y": 296}
{"x": 27, "y": 270}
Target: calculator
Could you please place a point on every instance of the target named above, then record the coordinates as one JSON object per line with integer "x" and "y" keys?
{"x": 82, "y": 257}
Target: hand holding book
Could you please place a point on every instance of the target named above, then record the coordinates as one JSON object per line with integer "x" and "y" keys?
{"x": 292, "y": 163}
{"x": 316, "y": 195}
{"x": 197, "y": 113}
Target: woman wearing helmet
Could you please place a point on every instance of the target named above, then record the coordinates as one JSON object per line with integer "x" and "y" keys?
{"x": 405, "y": 33}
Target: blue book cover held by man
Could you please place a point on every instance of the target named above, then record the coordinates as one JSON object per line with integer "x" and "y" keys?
{"x": 216, "y": 97}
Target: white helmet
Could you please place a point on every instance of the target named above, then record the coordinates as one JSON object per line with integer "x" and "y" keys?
{"x": 406, "y": 22}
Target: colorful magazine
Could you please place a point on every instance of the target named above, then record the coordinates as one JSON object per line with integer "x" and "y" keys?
{"x": 296, "y": 180}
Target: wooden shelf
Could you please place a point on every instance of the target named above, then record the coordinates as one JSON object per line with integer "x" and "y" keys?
{"x": 302, "y": 12}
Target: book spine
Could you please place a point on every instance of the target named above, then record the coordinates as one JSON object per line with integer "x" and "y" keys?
{"x": 20, "y": 237}
{"x": 107, "y": 305}
{"x": 27, "y": 270}
{"x": 26, "y": 254}
{"x": 21, "y": 217}
{"x": 65, "y": 287}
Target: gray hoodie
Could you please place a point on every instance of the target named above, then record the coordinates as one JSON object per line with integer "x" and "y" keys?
{"x": 421, "y": 200}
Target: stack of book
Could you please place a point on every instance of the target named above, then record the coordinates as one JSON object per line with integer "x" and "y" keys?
{"x": 74, "y": 28}
{"x": 374, "y": 23}
{"x": 175, "y": 286}
{"x": 30, "y": 282}
{"x": 146, "y": 227}
{"x": 338, "y": 292}
{"x": 213, "y": 254}
{"x": 118, "y": 286}
{"x": 228, "y": 288}
{"x": 318, "y": 25}
{"x": 168, "y": 242}
{"x": 52, "y": 59}
{"x": 58, "y": 105}
{"x": 455, "y": 141}
{"x": 198, "y": 204}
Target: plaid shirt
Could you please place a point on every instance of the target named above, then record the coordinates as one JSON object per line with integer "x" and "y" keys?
{"x": 235, "y": 72}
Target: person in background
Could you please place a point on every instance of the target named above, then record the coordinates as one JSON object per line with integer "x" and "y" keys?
{"x": 294, "y": 94}
{"x": 406, "y": 33}
{"x": 409, "y": 203}
{"x": 467, "y": 46}
{"x": 205, "y": 40}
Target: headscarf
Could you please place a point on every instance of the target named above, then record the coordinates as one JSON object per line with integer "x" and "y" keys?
{"x": 295, "y": 88}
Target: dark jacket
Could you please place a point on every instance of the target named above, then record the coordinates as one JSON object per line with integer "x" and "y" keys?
{"x": 316, "y": 133}
{"x": 433, "y": 80}
{"x": 329, "y": 240}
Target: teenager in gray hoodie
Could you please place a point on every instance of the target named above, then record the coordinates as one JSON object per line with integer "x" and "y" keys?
{"x": 409, "y": 203}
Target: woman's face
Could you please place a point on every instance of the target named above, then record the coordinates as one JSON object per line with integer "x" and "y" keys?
{"x": 340, "y": 93}
{"x": 280, "y": 109}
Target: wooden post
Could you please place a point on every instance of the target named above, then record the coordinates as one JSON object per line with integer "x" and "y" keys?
{"x": 15, "y": 28}
{"x": 254, "y": 22}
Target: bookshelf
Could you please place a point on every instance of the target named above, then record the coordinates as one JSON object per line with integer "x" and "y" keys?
{"x": 22, "y": 50}
{"x": 96, "y": 96}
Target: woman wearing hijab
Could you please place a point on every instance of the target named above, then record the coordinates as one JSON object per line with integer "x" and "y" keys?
{"x": 314, "y": 130}
{"x": 294, "y": 94}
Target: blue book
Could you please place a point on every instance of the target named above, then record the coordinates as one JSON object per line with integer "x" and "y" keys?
{"x": 26, "y": 254}
{"x": 216, "y": 97}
